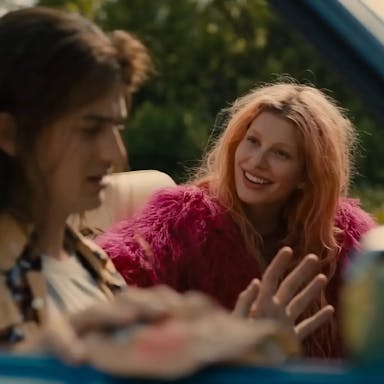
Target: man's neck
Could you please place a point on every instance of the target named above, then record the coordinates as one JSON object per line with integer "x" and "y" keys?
{"x": 51, "y": 232}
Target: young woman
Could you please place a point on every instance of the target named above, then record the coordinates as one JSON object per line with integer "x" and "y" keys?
{"x": 64, "y": 91}
{"x": 277, "y": 176}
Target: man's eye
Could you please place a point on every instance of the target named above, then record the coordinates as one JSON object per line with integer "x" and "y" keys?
{"x": 120, "y": 127}
{"x": 92, "y": 130}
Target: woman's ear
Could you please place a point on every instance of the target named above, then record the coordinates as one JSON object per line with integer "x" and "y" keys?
{"x": 7, "y": 134}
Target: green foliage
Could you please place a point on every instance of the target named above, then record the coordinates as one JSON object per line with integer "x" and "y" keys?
{"x": 372, "y": 200}
{"x": 208, "y": 52}
{"x": 173, "y": 138}
{"x": 88, "y": 8}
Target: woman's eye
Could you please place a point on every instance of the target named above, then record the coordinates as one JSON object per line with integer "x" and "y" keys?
{"x": 281, "y": 154}
{"x": 252, "y": 139}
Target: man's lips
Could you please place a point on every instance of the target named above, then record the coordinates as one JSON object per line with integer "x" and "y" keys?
{"x": 99, "y": 180}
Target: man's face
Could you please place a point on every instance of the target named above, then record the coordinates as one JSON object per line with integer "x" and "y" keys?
{"x": 77, "y": 152}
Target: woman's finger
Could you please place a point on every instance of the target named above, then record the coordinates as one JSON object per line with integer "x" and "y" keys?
{"x": 270, "y": 310}
{"x": 246, "y": 299}
{"x": 274, "y": 272}
{"x": 309, "y": 325}
{"x": 303, "y": 299}
{"x": 302, "y": 273}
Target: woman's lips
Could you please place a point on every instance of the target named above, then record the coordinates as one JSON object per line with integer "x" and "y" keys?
{"x": 256, "y": 180}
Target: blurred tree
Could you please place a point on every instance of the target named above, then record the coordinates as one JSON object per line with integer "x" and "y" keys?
{"x": 208, "y": 52}
{"x": 88, "y": 8}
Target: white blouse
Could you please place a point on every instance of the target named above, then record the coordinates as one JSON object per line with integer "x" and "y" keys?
{"x": 70, "y": 287}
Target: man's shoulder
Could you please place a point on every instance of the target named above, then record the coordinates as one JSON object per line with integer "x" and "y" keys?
{"x": 14, "y": 237}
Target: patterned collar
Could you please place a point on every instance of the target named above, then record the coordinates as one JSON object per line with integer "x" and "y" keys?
{"x": 22, "y": 284}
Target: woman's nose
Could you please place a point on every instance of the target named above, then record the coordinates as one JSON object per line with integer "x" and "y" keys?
{"x": 259, "y": 158}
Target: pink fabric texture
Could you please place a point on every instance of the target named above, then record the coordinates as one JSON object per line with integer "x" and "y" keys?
{"x": 186, "y": 240}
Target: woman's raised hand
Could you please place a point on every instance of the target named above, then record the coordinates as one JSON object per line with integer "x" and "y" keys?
{"x": 285, "y": 299}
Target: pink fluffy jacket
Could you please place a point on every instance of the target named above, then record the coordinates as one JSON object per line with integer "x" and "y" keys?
{"x": 185, "y": 239}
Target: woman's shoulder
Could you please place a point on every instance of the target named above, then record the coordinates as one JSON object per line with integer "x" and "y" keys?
{"x": 353, "y": 220}
{"x": 351, "y": 214}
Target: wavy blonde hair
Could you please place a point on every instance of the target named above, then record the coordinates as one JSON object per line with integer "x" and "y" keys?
{"x": 327, "y": 140}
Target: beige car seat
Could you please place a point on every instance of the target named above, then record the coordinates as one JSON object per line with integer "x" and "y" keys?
{"x": 125, "y": 194}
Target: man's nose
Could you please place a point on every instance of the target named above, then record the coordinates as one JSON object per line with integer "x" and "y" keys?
{"x": 113, "y": 150}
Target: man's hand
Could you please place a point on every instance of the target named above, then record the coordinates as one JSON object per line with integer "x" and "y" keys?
{"x": 159, "y": 333}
